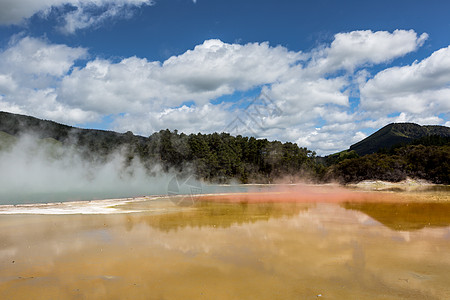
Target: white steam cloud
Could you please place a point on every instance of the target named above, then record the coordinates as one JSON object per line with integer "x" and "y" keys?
{"x": 42, "y": 171}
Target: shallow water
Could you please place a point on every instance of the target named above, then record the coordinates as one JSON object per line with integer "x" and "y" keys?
{"x": 25, "y": 196}
{"x": 222, "y": 249}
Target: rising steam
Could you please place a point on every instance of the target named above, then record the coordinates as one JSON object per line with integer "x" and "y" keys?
{"x": 35, "y": 171}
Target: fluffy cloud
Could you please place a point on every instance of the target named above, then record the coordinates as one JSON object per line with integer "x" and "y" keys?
{"x": 30, "y": 71}
{"x": 78, "y": 13}
{"x": 215, "y": 64}
{"x": 203, "y": 118}
{"x": 307, "y": 93}
{"x": 309, "y": 100}
{"x": 331, "y": 138}
{"x": 210, "y": 70}
{"x": 420, "y": 88}
{"x": 30, "y": 56}
{"x": 14, "y": 11}
{"x": 356, "y": 48}
{"x": 298, "y": 93}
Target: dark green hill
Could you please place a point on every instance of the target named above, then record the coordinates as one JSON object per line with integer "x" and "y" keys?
{"x": 397, "y": 133}
{"x": 219, "y": 157}
{"x": 97, "y": 141}
{"x": 6, "y": 140}
{"x": 215, "y": 157}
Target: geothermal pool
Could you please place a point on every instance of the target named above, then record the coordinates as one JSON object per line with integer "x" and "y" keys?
{"x": 296, "y": 244}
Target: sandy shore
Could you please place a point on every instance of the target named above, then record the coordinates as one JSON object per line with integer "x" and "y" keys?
{"x": 366, "y": 191}
{"x": 99, "y": 207}
{"x": 408, "y": 184}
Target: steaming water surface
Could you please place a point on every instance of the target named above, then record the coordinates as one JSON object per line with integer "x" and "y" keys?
{"x": 234, "y": 247}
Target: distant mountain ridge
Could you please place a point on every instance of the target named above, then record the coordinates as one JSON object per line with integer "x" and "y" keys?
{"x": 397, "y": 133}
{"x": 217, "y": 157}
{"x": 220, "y": 157}
{"x": 16, "y": 125}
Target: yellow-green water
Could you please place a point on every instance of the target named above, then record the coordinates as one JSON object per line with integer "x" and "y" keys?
{"x": 213, "y": 250}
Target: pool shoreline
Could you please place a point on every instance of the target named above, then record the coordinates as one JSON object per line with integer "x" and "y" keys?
{"x": 307, "y": 193}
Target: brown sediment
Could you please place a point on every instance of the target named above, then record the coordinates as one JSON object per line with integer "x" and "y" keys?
{"x": 327, "y": 194}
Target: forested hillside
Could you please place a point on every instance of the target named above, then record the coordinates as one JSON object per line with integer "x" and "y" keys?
{"x": 397, "y": 133}
{"x": 213, "y": 157}
{"x": 220, "y": 157}
{"x": 430, "y": 162}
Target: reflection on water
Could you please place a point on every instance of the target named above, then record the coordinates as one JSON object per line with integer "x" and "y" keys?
{"x": 231, "y": 251}
{"x": 219, "y": 215}
{"x": 406, "y": 216}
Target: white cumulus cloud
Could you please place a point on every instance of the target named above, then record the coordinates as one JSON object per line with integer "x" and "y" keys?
{"x": 77, "y": 14}
{"x": 352, "y": 49}
{"x": 420, "y": 88}
{"x": 210, "y": 70}
{"x": 30, "y": 71}
{"x": 184, "y": 92}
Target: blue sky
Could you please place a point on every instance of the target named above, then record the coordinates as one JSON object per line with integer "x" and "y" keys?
{"x": 337, "y": 70}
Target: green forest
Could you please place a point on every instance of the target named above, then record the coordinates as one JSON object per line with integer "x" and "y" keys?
{"x": 221, "y": 157}
{"x": 419, "y": 160}
{"x": 393, "y": 153}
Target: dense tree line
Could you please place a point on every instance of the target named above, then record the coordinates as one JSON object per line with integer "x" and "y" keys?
{"x": 430, "y": 162}
{"x": 221, "y": 157}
